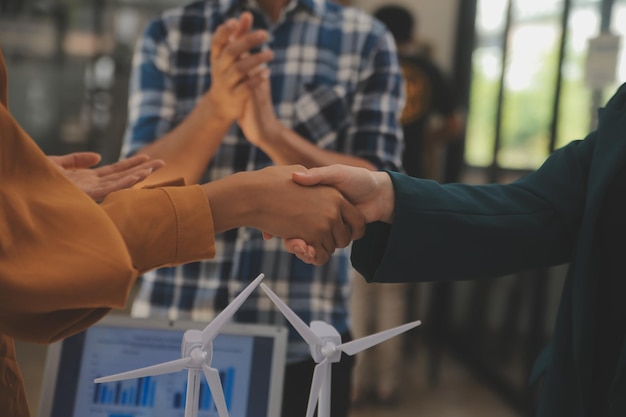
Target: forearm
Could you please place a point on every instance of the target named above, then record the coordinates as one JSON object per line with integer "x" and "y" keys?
{"x": 286, "y": 147}
{"x": 457, "y": 231}
{"x": 164, "y": 226}
{"x": 189, "y": 147}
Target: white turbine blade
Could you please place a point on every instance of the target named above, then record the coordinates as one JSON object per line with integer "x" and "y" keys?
{"x": 162, "y": 368}
{"x": 356, "y": 346}
{"x": 213, "y": 378}
{"x": 193, "y": 393}
{"x": 305, "y": 331}
{"x": 319, "y": 376}
{"x": 218, "y": 322}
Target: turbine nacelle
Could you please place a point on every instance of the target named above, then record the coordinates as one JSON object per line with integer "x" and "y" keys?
{"x": 330, "y": 338}
{"x": 194, "y": 348}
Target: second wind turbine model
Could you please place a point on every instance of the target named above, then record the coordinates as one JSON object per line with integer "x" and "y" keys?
{"x": 325, "y": 344}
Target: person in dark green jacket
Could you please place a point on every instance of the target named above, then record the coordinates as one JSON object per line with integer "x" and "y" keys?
{"x": 572, "y": 210}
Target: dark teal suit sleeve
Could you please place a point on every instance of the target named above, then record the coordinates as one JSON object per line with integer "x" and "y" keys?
{"x": 458, "y": 231}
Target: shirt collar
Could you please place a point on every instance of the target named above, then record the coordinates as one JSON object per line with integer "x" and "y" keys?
{"x": 228, "y": 7}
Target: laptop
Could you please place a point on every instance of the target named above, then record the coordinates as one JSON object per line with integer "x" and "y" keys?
{"x": 250, "y": 359}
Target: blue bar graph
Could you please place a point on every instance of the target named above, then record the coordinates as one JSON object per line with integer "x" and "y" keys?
{"x": 227, "y": 377}
{"x": 138, "y": 393}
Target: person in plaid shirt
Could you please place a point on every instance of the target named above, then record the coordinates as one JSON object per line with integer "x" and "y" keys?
{"x": 325, "y": 88}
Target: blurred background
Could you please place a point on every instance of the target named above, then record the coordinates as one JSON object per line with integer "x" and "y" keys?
{"x": 523, "y": 76}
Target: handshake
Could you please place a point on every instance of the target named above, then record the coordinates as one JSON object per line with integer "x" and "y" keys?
{"x": 313, "y": 210}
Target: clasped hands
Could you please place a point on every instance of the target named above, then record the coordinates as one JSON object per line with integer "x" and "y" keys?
{"x": 366, "y": 196}
{"x": 240, "y": 88}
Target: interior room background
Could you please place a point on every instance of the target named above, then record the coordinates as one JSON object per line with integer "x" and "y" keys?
{"x": 520, "y": 69}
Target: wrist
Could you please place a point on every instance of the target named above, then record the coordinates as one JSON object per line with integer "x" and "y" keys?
{"x": 386, "y": 197}
{"x": 272, "y": 134}
{"x": 230, "y": 201}
{"x": 211, "y": 110}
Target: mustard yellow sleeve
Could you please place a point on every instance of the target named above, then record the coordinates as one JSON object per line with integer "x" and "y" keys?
{"x": 163, "y": 226}
{"x": 65, "y": 260}
{"x": 58, "y": 249}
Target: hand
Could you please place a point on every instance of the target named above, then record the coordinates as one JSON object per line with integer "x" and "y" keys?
{"x": 97, "y": 183}
{"x": 370, "y": 191}
{"x": 234, "y": 70}
{"x": 258, "y": 121}
{"x": 269, "y": 200}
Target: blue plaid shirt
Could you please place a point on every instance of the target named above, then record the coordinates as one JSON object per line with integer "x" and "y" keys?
{"x": 335, "y": 80}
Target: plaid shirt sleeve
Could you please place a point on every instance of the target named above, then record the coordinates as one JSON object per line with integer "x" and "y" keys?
{"x": 151, "y": 96}
{"x": 376, "y": 133}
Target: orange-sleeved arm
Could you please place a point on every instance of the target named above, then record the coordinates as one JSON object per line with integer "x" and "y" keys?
{"x": 163, "y": 226}
{"x": 64, "y": 260}
{"x": 58, "y": 249}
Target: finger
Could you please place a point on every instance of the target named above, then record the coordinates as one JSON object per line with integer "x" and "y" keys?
{"x": 296, "y": 246}
{"x": 237, "y": 73}
{"x": 328, "y": 245}
{"x": 140, "y": 175}
{"x": 305, "y": 258}
{"x": 244, "y": 43}
{"x": 355, "y": 221}
{"x": 245, "y": 24}
{"x": 304, "y": 252}
{"x": 141, "y": 172}
{"x": 122, "y": 165}
{"x": 256, "y": 80}
{"x": 309, "y": 177}
{"x": 222, "y": 37}
{"x": 321, "y": 256}
{"x": 258, "y": 74}
{"x": 77, "y": 160}
{"x": 333, "y": 175}
{"x": 107, "y": 188}
{"x": 137, "y": 162}
{"x": 252, "y": 64}
{"x": 342, "y": 233}
{"x": 240, "y": 79}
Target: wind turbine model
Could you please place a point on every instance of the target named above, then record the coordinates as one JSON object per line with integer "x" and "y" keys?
{"x": 197, "y": 352}
{"x": 326, "y": 347}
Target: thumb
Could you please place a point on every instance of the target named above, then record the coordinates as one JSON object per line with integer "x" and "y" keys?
{"x": 85, "y": 159}
{"x": 328, "y": 175}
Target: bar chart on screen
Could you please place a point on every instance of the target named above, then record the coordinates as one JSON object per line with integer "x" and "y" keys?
{"x": 138, "y": 397}
{"x": 139, "y": 393}
{"x": 206, "y": 403}
{"x": 161, "y": 395}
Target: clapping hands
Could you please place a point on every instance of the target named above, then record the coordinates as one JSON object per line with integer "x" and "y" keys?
{"x": 235, "y": 72}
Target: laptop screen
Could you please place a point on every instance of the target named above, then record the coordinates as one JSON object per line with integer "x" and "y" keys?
{"x": 250, "y": 360}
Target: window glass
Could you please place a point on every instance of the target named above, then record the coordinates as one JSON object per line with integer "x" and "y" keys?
{"x": 69, "y": 63}
{"x": 530, "y": 76}
{"x": 486, "y": 72}
{"x": 575, "y": 109}
{"x": 530, "y": 79}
